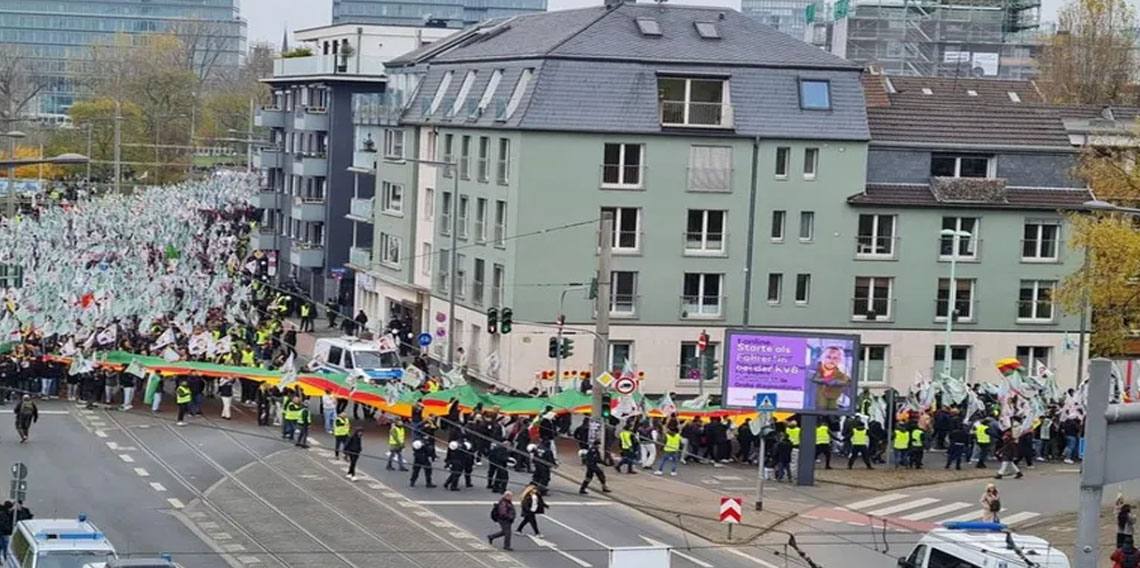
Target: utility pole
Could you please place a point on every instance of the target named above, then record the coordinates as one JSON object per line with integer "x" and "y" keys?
{"x": 88, "y": 155}
{"x": 249, "y": 140}
{"x": 118, "y": 146}
{"x": 602, "y": 327}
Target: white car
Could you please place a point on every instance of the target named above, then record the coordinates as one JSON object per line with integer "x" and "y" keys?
{"x": 58, "y": 543}
{"x": 982, "y": 545}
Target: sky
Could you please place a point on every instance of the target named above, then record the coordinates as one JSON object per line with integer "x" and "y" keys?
{"x": 267, "y": 18}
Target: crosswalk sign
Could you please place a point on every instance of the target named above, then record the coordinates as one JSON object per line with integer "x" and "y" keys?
{"x": 765, "y": 401}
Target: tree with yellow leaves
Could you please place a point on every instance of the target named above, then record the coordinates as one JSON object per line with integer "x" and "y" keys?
{"x": 1091, "y": 58}
{"x": 1109, "y": 281}
{"x": 36, "y": 171}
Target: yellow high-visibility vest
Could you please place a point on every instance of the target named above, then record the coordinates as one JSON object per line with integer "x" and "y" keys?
{"x": 859, "y": 437}
{"x": 981, "y": 432}
{"x": 183, "y": 393}
{"x": 672, "y": 443}
{"x": 626, "y": 439}
{"x": 305, "y": 310}
{"x": 794, "y": 435}
{"x": 902, "y": 439}
{"x": 340, "y": 427}
{"x": 822, "y": 435}
{"x": 396, "y": 437}
{"x": 916, "y": 438}
{"x": 292, "y": 411}
{"x": 247, "y": 357}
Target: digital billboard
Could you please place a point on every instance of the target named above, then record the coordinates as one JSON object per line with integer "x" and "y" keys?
{"x": 812, "y": 373}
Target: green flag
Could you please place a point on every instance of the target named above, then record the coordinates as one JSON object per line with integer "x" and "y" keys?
{"x": 171, "y": 252}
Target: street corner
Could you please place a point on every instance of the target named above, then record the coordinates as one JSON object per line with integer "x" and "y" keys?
{"x": 890, "y": 479}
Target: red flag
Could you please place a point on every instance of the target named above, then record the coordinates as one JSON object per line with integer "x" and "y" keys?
{"x": 87, "y": 300}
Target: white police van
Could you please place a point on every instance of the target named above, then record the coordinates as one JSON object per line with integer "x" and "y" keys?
{"x": 982, "y": 545}
{"x": 349, "y": 354}
{"x": 57, "y": 543}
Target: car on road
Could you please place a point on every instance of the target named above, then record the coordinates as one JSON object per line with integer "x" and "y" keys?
{"x": 57, "y": 543}
{"x": 349, "y": 354}
{"x": 982, "y": 545}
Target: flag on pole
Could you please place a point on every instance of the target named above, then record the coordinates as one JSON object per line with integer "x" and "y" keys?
{"x": 288, "y": 373}
{"x": 136, "y": 369}
{"x": 163, "y": 340}
{"x": 107, "y": 336}
{"x": 153, "y": 383}
{"x": 170, "y": 355}
{"x": 666, "y": 405}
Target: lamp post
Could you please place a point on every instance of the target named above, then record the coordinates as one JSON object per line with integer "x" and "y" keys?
{"x": 956, "y": 237}
{"x": 10, "y": 201}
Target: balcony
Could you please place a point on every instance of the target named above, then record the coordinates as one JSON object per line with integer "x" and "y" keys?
{"x": 696, "y": 115}
{"x": 328, "y": 65}
{"x": 263, "y": 239}
{"x": 268, "y": 158}
{"x": 360, "y": 256}
{"x": 268, "y": 199}
{"x": 307, "y": 255}
{"x": 311, "y": 210}
{"x": 310, "y": 165}
{"x": 873, "y": 310}
{"x": 269, "y": 117}
{"x": 702, "y": 307}
{"x": 871, "y": 247}
{"x": 311, "y": 118}
{"x": 360, "y": 209}
{"x": 705, "y": 244}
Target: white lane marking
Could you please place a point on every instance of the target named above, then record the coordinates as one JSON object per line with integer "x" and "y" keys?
{"x": 441, "y": 524}
{"x": 692, "y": 559}
{"x": 175, "y": 503}
{"x": 100, "y": 433}
{"x": 550, "y": 545}
{"x": 157, "y": 486}
{"x": 977, "y": 514}
{"x": 142, "y": 472}
{"x": 1018, "y": 517}
{"x": 127, "y": 458}
{"x": 902, "y": 507}
{"x": 729, "y": 477}
{"x": 876, "y": 501}
{"x": 488, "y": 503}
{"x": 577, "y": 532}
{"x": 1075, "y": 470}
{"x": 763, "y": 563}
{"x": 936, "y": 511}
{"x": 113, "y": 445}
{"x": 41, "y": 412}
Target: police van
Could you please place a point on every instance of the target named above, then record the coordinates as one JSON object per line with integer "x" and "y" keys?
{"x": 57, "y": 543}
{"x": 350, "y": 354}
{"x": 982, "y": 545}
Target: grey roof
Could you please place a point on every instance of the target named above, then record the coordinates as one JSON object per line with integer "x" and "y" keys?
{"x": 961, "y": 122}
{"x": 920, "y": 195}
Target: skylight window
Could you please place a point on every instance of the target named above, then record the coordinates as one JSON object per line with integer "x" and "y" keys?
{"x": 439, "y": 92}
{"x": 649, "y": 27}
{"x": 815, "y": 94}
{"x": 464, "y": 90}
{"x": 971, "y": 92}
{"x": 1014, "y": 97}
{"x": 927, "y": 91}
{"x": 516, "y": 96}
{"x": 707, "y": 30}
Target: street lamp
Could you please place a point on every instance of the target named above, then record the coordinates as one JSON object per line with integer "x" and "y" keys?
{"x": 951, "y": 301}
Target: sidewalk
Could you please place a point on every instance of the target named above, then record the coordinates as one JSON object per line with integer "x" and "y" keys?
{"x": 1060, "y": 530}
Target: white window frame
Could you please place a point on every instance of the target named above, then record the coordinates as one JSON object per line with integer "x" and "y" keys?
{"x": 464, "y": 206}
{"x": 426, "y": 263}
{"x": 940, "y": 364}
{"x": 460, "y": 276}
{"x": 991, "y": 163}
{"x": 478, "y": 284}
{"x": 971, "y": 242}
{"x": 464, "y": 90}
{"x": 446, "y": 210}
{"x": 517, "y": 93}
{"x": 703, "y": 239}
{"x": 779, "y": 225}
{"x": 627, "y": 308}
{"x": 394, "y": 143}
{"x": 498, "y": 281}
{"x": 811, "y": 163}
{"x": 1039, "y": 240}
{"x": 612, "y": 361}
{"x": 483, "y": 160}
{"x": 489, "y": 92}
{"x": 465, "y": 157}
{"x": 807, "y": 219}
{"x": 503, "y": 167}
{"x": 864, "y": 369}
{"x": 775, "y": 291}
{"x": 871, "y": 299}
{"x": 1031, "y": 359}
{"x": 688, "y": 102}
{"x": 440, "y": 91}
{"x": 388, "y": 245}
{"x": 701, "y": 307}
{"x": 870, "y": 251}
{"x": 806, "y": 278}
{"x": 952, "y": 299}
{"x": 622, "y": 165}
{"x": 1037, "y": 287}
{"x": 620, "y": 214}
{"x": 712, "y": 350}
{"x": 500, "y": 232}
{"x": 429, "y": 204}
{"x": 783, "y": 162}
{"x": 480, "y": 220}
{"x": 703, "y": 175}
{"x": 392, "y": 198}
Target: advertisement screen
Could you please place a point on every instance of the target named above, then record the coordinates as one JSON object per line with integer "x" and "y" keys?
{"x": 813, "y": 373}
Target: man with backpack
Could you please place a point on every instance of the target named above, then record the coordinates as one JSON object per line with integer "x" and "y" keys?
{"x": 503, "y": 513}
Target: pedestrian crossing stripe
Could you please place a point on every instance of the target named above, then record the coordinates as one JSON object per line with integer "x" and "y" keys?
{"x": 918, "y": 511}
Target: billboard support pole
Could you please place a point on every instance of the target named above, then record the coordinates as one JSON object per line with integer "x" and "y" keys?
{"x": 805, "y": 469}
{"x": 763, "y": 417}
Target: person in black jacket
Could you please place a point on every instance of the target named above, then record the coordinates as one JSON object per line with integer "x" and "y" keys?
{"x": 454, "y": 462}
{"x": 543, "y": 460}
{"x": 26, "y": 414}
{"x": 959, "y": 438}
{"x": 352, "y": 449}
{"x": 423, "y": 453}
{"x": 498, "y": 475}
{"x": 593, "y": 459}
{"x": 531, "y": 504}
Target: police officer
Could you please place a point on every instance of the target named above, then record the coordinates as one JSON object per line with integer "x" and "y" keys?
{"x": 454, "y": 462}
{"x": 917, "y": 446}
{"x": 592, "y": 459}
{"x": 341, "y": 427}
{"x": 629, "y": 449}
{"x": 823, "y": 443}
{"x": 860, "y": 445}
{"x": 330, "y": 311}
{"x": 183, "y": 396}
{"x": 423, "y": 453}
{"x": 304, "y": 418}
{"x": 306, "y": 316}
{"x": 543, "y": 460}
{"x": 468, "y": 461}
{"x": 290, "y": 413}
{"x": 497, "y": 477}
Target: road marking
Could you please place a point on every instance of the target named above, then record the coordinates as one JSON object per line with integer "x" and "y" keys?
{"x": 441, "y": 524}
{"x": 902, "y": 507}
{"x": 729, "y": 477}
{"x": 696, "y": 561}
{"x": 577, "y": 532}
{"x": 424, "y": 513}
{"x": 752, "y": 558}
{"x": 100, "y": 433}
{"x": 936, "y": 511}
{"x": 876, "y": 501}
{"x": 221, "y": 536}
{"x": 127, "y": 458}
{"x": 1018, "y": 517}
{"x": 488, "y": 503}
{"x": 175, "y": 503}
{"x": 550, "y": 545}
{"x": 1074, "y": 470}
{"x": 235, "y": 547}
{"x": 969, "y": 516}
{"x": 710, "y": 482}
{"x": 249, "y": 560}
{"x": 157, "y": 486}
{"x": 142, "y": 472}
{"x": 41, "y": 412}
{"x": 113, "y": 445}
{"x": 388, "y": 494}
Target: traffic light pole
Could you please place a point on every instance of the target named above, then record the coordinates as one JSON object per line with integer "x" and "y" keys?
{"x": 602, "y": 328}
{"x": 558, "y": 363}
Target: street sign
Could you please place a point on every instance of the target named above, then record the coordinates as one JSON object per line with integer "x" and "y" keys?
{"x": 424, "y": 339}
{"x": 625, "y": 385}
{"x": 19, "y": 471}
{"x": 338, "y": 273}
{"x": 18, "y": 491}
{"x": 605, "y": 379}
{"x": 730, "y": 509}
{"x": 765, "y": 401}
{"x": 702, "y": 342}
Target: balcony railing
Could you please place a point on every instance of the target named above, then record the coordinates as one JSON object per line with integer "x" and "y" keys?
{"x": 696, "y": 114}
{"x": 705, "y": 244}
{"x": 445, "y": 224}
{"x": 876, "y": 247}
{"x": 872, "y": 309}
{"x": 965, "y": 310}
{"x": 361, "y": 208}
{"x": 623, "y": 305}
{"x": 360, "y": 256}
{"x": 311, "y": 210}
{"x": 480, "y": 232}
{"x": 306, "y": 255}
{"x": 269, "y": 117}
{"x": 702, "y": 307}
{"x": 969, "y": 250}
{"x": 331, "y": 64}
{"x": 311, "y": 118}
{"x": 482, "y": 169}
{"x": 623, "y": 176}
{"x": 710, "y": 179}
{"x": 1040, "y": 250}
{"x": 498, "y": 235}
{"x": 501, "y": 172}
{"x": 442, "y": 280}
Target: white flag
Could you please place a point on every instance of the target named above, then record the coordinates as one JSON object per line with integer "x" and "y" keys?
{"x": 136, "y": 369}
{"x": 108, "y": 336}
{"x": 222, "y": 346}
{"x": 163, "y": 340}
{"x": 667, "y": 405}
{"x": 386, "y": 343}
{"x": 68, "y": 348}
{"x": 288, "y": 373}
{"x": 200, "y": 344}
{"x": 697, "y": 403}
{"x": 170, "y": 355}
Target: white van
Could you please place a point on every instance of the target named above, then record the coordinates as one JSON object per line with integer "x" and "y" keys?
{"x": 57, "y": 543}
{"x": 348, "y": 354}
{"x": 982, "y": 545}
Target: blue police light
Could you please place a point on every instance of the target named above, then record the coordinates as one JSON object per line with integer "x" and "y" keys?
{"x": 167, "y": 557}
{"x": 974, "y": 526}
{"x": 83, "y": 517}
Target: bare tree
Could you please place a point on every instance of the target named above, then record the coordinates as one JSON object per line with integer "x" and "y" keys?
{"x": 204, "y": 44}
{"x": 19, "y": 84}
{"x": 1091, "y": 59}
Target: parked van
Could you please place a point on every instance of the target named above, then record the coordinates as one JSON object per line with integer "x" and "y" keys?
{"x": 57, "y": 543}
{"x": 982, "y": 545}
{"x": 347, "y": 354}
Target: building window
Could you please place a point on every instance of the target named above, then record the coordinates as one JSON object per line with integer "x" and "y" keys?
{"x": 480, "y": 220}
{"x": 689, "y": 367}
{"x": 803, "y": 288}
{"x": 465, "y": 158}
{"x": 429, "y": 204}
{"x": 704, "y": 231}
{"x": 1035, "y": 301}
{"x": 876, "y": 236}
{"x": 710, "y": 168}
{"x": 517, "y": 94}
{"x": 621, "y": 355}
{"x": 778, "y": 225}
{"x": 477, "y": 282}
{"x": 390, "y": 249}
{"x": 775, "y": 287}
{"x": 500, "y": 223}
{"x": 489, "y": 92}
{"x": 462, "y": 214}
{"x": 425, "y": 264}
{"x": 464, "y": 90}
{"x": 783, "y": 161}
{"x": 963, "y": 299}
{"x": 445, "y": 214}
{"x": 448, "y": 153}
{"x": 701, "y": 295}
{"x": 503, "y": 171}
{"x": 394, "y": 143}
{"x": 392, "y": 198}
{"x": 443, "y": 276}
{"x": 959, "y": 361}
{"x": 623, "y": 293}
{"x": 965, "y": 166}
{"x": 460, "y": 275}
{"x": 967, "y": 244}
{"x": 440, "y": 92}
{"x": 484, "y": 165}
{"x": 811, "y": 162}
{"x": 873, "y": 368}
{"x": 498, "y": 276}
{"x": 872, "y": 299}
{"x": 622, "y": 165}
{"x": 626, "y": 228}
{"x": 1032, "y": 357}
{"x": 815, "y": 94}
{"x": 807, "y": 226}
{"x": 694, "y": 102}
{"x": 1039, "y": 241}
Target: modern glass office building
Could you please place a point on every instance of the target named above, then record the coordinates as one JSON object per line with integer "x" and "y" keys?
{"x": 58, "y": 35}
{"x": 449, "y": 13}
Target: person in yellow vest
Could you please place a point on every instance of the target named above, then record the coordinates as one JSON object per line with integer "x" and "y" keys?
{"x": 308, "y": 314}
{"x": 982, "y": 439}
{"x": 248, "y": 357}
{"x": 860, "y": 445}
{"x": 341, "y": 430}
{"x": 823, "y": 443}
{"x": 183, "y": 396}
{"x": 304, "y": 418}
{"x": 629, "y": 449}
{"x": 290, "y": 414}
{"x": 671, "y": 451}
{"x": 901, "y": 445}
{"x": 793, "y": 431}
{"x": 397, "y": 437}
{"x": 917, "y": 446}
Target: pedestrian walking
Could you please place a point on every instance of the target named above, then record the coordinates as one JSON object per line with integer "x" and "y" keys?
{"x": 593, "y": 458}
{"x": 629, "y": 450}
{"x": 670, "y": 452}
{"x": 823, "y": 443}
{"x": 503, "y": 512}
{"x": 454, "y": 462}
{"x": 352, "y": 449}
{"x": 226, "y": 393}
{"x": 648, "y": 435}
{"x": 860, "y": 445}
{"x": 991, "y": 504}
{"x": 1125, "y": 524}
{"x": 423, "y": 453}
{"x": 341, "y": 427}
{"x": 958, "y": 440}
{"x": 26, "y": 414}
{"x": 304, "y": 419}
{"x": 397, "y": 434}
{"x": 328, "y": 410}
{"x": 183, "y": 396}
{"x": 1008, "y": 454}
{"x": 531, "y": 504}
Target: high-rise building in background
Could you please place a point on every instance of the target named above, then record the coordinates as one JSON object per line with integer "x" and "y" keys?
{"x": 442, "y": 13}
{"x": 57, "y": 35}
{"x": 788, "y": 16}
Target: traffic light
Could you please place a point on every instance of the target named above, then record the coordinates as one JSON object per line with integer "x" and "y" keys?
{"x": 606, "y": 410}
{"x": 567, "y": 347}
{"x": 492, "y": 320}
{"x": 708, "y": 368}
{"x": 593, "y": 289}
{"x": 552, "y": 349}
{"x": 507, "y": 321}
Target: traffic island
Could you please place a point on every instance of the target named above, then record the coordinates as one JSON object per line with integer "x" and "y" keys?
{"x": 1060, "y": 530}
{"x": 886, "y": 478}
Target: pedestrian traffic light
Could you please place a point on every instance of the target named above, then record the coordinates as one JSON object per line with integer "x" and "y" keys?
{"x": 593, "y": 289}
{"x": 552, "y": 350}
{"x": 606, "y": 411}
{"x": 708, "y": 368}
{"x": 492, "y": 320}
{"x": 567, "y": 347}
{"x": 507, "y": 321}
